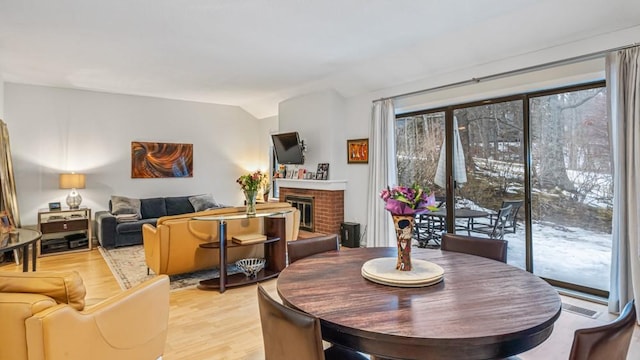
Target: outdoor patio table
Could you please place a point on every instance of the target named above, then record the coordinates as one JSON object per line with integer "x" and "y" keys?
{"x": 434, "y": 222}
{"x": 483, "y": 309}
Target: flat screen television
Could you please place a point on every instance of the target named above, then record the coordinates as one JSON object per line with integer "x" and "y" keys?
{"x": 288, "y": 148}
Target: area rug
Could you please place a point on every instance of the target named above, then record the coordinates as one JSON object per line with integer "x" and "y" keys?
{"x": 128, "y": 267}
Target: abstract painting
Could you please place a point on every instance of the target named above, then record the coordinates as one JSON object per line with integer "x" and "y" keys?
{"x": 161, "y": 160}
{"x": 358, "y": 151}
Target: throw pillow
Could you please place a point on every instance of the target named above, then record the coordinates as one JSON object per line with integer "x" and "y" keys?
{"x": 121, "y": 218}
{"x": 124, "y": 205}
{"x": 203, "y": 202}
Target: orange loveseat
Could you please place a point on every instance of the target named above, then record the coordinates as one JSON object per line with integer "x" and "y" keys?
{"x": 173, "y": 245}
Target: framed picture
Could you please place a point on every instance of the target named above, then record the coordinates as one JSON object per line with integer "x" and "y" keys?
{"x": 323, "y": 171}
{"x": 53, "y": 206}
{"x": 6, "y": 224}
{"x": 358, "y": 151}
{"x": 161, "y": 160}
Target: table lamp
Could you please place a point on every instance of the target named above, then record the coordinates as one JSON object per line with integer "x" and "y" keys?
{"x": 72, "y": 181}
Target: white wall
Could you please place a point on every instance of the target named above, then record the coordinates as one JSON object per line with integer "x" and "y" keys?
{"x": 56, "y": 130}
{"x": 1, "y": 97}
{"x": 319, "y": 119}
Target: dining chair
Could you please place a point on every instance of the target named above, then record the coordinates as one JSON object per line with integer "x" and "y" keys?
{"x": 495, "y": 249}
{"x": 494, "y": 230}
{"x": 606, "y": 342}
{"x": 289, "y": 334}
{"x": 299, "y": 249}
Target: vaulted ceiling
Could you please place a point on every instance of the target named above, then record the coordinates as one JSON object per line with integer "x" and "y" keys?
{"x": 256, "y": 53}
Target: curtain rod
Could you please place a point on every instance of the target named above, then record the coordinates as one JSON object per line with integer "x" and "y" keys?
{"x": 525, "y": 70}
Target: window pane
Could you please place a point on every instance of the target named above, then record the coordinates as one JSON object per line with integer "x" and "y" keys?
{"x": 572, "y": 189}
{"x": 418, "y": 142}
{"x": 492, "y": 141}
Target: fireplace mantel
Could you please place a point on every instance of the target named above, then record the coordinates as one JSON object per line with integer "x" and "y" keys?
{"x": 331, "y": 185}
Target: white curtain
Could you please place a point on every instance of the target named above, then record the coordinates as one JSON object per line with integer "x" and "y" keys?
{"x": 382, "y": 173}
{"x": 8, "y": 198}
{"x": 623, "y": 88}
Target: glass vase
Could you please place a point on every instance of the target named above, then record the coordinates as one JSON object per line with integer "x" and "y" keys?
{"x": 250, "y": 201}
{"x": 403, "y": 225}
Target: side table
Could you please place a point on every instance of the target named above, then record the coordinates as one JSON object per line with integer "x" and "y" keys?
{"x": 275, "y": 249}
{"x": 64, "y": 230}
{"x": 21, "y": 238}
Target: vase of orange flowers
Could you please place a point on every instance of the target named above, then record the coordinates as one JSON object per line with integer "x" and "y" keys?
{"x": 250, "y": 183}
{"x": 404, "y": 203}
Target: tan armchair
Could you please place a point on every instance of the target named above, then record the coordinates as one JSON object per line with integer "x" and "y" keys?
{"x": 44, "y": 317}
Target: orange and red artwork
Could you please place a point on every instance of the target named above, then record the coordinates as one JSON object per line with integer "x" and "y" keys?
{"x": 358, "y": 151}
{"x": 161, "y": 160}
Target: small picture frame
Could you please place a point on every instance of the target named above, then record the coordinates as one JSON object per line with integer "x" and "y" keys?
{"x": 323, "y": 171}
{"x": 53, "y": 206}
{"x": 6, "y": 223}
{"x": 358, "y": 151}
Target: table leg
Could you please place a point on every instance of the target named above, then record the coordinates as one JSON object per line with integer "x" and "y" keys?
{"x": 34, "y": 255}
{"x": 25, "y": 258}
{"x": 222, "y": 237}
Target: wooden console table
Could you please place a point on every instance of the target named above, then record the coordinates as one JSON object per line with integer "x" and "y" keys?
{"x": 274, "y": 249}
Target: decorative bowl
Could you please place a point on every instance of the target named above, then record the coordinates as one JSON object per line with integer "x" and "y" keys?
{"x": 251, "y": 266}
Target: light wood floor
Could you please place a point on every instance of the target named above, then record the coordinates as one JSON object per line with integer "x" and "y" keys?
{"x": 212, "y": 326}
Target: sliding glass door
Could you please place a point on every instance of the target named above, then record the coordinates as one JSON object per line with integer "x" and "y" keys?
{"x": 572, "y": 187}
{"x": 545, "y": 156}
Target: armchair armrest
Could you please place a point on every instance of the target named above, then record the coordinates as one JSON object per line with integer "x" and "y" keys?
{"x": 106, "y": 228}
{"x": 130, "y": 325}
{"x": 63, "y": 287}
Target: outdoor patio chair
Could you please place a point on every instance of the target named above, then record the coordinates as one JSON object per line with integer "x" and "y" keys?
{"x": 494, "y": 230}
{"x": 428, "y": 228}
{"x": 511, "y": 221}
{"x": 606, "y": 342}
{"x": 291, "y": 334}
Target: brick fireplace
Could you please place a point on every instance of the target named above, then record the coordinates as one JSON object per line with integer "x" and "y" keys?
{"x": 327, "y": 205}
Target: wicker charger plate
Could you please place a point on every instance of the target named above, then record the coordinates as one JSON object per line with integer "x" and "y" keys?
{"x": 383, "y": 271}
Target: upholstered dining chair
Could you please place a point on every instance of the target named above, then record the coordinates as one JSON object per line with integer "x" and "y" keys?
{"x": 289, "y": 334}
{"x": 495, "y": 249}
{"x": 299, "y": 249}
{"x": 606, "y": 342}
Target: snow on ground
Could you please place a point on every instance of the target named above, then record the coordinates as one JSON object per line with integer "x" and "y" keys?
{"x": 567, "y": 254}
{"x": 563, "y": 253}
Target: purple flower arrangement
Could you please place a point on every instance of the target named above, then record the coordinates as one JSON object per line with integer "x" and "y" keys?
{"x": 403, "y": 200}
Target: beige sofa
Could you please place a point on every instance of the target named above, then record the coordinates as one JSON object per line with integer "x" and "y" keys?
{"x": 173, "y": 246}
{"x": 44, "y": 317}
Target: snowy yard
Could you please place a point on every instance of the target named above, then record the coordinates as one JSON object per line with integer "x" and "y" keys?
{"x": 567, "y": 254}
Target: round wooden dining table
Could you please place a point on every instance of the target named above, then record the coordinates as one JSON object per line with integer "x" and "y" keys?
{"x": 483, "y": 309}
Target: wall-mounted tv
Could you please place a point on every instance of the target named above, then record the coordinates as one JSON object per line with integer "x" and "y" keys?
{"x": 288, "y": 148}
